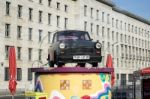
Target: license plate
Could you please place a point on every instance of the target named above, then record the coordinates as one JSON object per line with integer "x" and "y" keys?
{"x": 81, "y": 57}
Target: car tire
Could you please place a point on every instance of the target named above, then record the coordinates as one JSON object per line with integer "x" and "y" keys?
{"x": 51, "y": 63}
{"x": 81, "y": 64}
{"x": 60, "y": 64}
{"x": 95, "y": 64}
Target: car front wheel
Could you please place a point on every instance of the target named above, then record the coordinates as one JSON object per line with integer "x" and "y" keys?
{"x": 81, "y": 64}
{"x": 51, "y": 63}
{"x": 95, "y": 64}
{"x": 59, "y": 64}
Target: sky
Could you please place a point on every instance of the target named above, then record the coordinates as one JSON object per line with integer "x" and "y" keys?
{"x": 137, "y": 7}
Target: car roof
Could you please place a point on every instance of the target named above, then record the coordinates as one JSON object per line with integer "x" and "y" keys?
{"x": 68, "y": 31}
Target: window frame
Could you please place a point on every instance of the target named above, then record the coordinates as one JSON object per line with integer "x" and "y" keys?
{"x": 19, "y": 53}
{"x": 19, "y": 30}
{"x": 7, "y": 30}
{"x": 19, "y": 74}
{"x": 6, "y": 74}
{"x": 20, "y": 11}
{"x": 30, "y": 54}
{"x": 30, "y": 14}
{"x": 8, "y": 8}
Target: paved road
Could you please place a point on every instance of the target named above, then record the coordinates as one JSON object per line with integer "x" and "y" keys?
{"x": 10, "y": 97}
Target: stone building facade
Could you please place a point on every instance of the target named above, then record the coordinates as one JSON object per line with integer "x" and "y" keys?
{"x": 29, "y": 26}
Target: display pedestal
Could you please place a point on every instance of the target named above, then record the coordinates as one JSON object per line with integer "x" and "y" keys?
{"x": 74, "y": 82}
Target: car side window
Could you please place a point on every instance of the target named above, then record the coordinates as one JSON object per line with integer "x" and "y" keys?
{"x": 87, "y": 37}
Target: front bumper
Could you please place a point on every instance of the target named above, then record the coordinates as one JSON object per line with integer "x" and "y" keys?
{"x": 69, "y": 59}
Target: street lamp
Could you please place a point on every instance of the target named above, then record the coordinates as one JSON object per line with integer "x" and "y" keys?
{"x": 45, "y": 38}
{"x": 36, "y": 61}
{"x": 107, "y": 50}
{"x": 40, "y": 45}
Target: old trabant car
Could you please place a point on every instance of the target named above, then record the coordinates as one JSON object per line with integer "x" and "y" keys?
{"x": 74, "y": 46}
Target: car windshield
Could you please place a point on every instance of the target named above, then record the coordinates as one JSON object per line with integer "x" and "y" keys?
{"x": 73, "y": 36}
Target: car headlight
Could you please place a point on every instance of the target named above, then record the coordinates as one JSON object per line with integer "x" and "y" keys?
{"x": 62, "y": 45}
{"x": 98, "y": 45}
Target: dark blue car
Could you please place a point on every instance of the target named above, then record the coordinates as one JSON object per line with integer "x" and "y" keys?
{"x": 73, "y": 46}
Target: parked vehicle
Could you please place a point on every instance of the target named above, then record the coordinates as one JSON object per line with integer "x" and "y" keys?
{"x": 74, "y": 46}
{"x": 142, "y": 83}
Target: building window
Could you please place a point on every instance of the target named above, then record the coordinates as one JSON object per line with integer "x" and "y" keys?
{"x": 66, "y": 23}
{"x": 132, "y": 29}
{"x": 49, "y": 37}
{"x": 85, "y": 10}
{"x": 121, "y": 38}
{"x": 112, "y": 50}
{"x": 49, "y": 3}
{"x": 97, "y": 14}
{"x": 19, "y": 11}
{"x": 97, "y": 29}
{"x": 108, "y": 46}
{"x": 7, "y": 30}
{"x": 108, "y": 33}
{"x": 30, "y": 13}
{"x": 66, "y": 8}
{"x": 6, "y": 73}
{"x": 19, "y": 74}
{"x": 91, "y": 12}
{"x": 7, "y": 8}
{"x": 91, "y": 27}
{"x": 103, "y": 30}
{"x": 113, "y": 35}
{"x": 58, "y": 21}
{"x": 117, "y": 36}
{"x": 132, "y": 40}
{"x": 123, "y": 79}
{"x": 117, "y": 24}
{"x": 85, "y": 25}
{"x": 30, "y": 34}
{"x": 40, "y": 1}
{"x": 125, "y": 27}
{"x": 30, "y": 77}
{"x": 31, "y": 0}
{"x": 121, "y": 25}
{"x": 49, "y": 18}
{"x": 139, "y": 31}
{"x": 128, "y": 27}
{"x": 112, "y": 22}
{"x": 125, "y": 39}
{"x": 40, "y": 54}
{"x": 103, "y": 17}
{"x": 19, "y": 53}
{"x": 135, "y": 30}
{"x": 6, "y": 51}
{"x": 30, "y": 54}
{"x": 40, "y": 35}
{"x": 117, "y": 76}
{"x": 19, "y": 28}
{"x": 129, "y": 39}
{"x": 40, "y": 16}
{"x": 108, "y": 21}
{"x": 58, "y": 6}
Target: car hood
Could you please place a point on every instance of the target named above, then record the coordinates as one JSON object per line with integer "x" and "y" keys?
{"x": 79, "y": 44}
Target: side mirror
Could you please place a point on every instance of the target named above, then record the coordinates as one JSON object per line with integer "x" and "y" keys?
{"x": 97, "y": 41}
